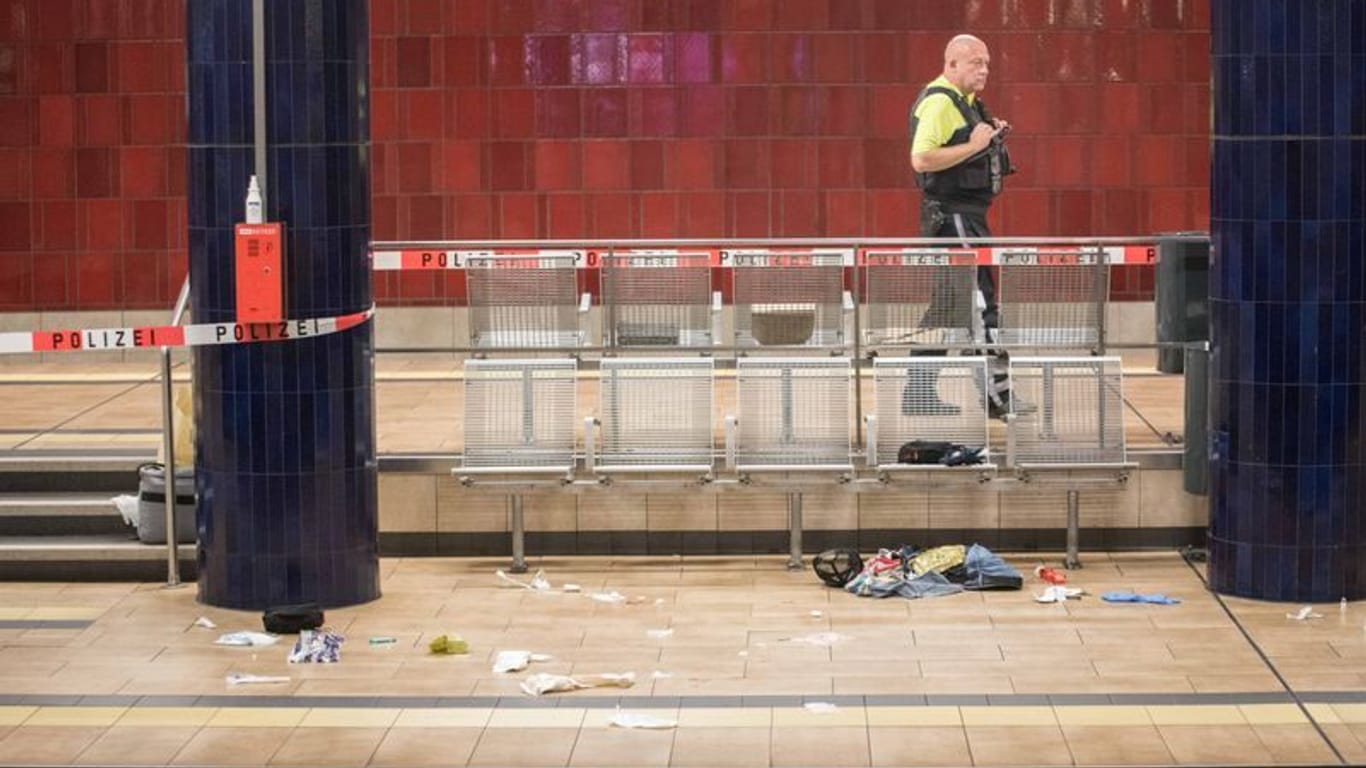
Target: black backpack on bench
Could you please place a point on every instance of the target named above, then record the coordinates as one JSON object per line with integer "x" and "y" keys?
{"x": 938, "y": 452}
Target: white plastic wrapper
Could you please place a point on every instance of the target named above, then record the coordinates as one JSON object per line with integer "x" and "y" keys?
{"x": 820, "y": 707}
{"x": 1304, "y": 614}
{"x": 205, "y": 622}
{"x": 247, "y": 639}
{"x": 1059, "y": 594}
{"x": 639, "y": 720}
{"x": 317, "y": 646}
{"x": 613, "y": 597}
{"x": 243, "y": 678}
{"x": 543, "y": 683}
{"x": 516, "y": 661}
{"x": 127, "y": 506}
{"x": 538, "y": 583}
{"x": 659, "y": 634}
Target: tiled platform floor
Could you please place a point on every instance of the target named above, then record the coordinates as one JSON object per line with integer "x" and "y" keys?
{"x": 970, "y": 679}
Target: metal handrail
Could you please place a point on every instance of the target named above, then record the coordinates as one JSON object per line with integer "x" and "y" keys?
{"x": 795, "y": 242}
{"x": 168, "y": 442}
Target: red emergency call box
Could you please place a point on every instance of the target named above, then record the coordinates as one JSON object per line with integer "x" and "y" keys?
{"x": 260, "y": 273}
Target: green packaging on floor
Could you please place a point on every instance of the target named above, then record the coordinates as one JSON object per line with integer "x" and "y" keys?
{"x": 449, "y": 644}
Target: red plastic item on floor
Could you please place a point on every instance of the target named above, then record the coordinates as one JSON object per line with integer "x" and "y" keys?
{"x": 1049, "y": 575}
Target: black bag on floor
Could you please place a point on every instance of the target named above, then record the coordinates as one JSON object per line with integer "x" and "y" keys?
{"x": 291, "y": 619}
{"x": 923, "y": 452}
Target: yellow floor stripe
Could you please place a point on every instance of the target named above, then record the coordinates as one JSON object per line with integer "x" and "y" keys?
{"x": 725, "y": 717}
{"x": 1116, "y": 715}
{"x": 997, "y": 716}
{"x": 349, "y": 717}
{"x": 1272, "y": 714}
{"x": 795, "y": 717}
{"x": 1324, "y": 714}
{"x": 536, "y": 718}
{"x": 1197, "y": 715}
{"x": 1354, "y": 714}
{"x": 64, "y": 613}
{"x": 245, "y": 717}
{"x": 168, "y": 716}
{"x": 474, "y": 717}
{"x": 81, "y": 716}
{"x": 932, "y": 716}
{"x": 15, "y": 715}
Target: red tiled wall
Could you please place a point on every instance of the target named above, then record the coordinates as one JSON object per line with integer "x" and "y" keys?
{"x": 92, "y": 164}
{"x": 608, "y": 118}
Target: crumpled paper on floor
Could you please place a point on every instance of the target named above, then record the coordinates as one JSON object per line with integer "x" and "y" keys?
{"x": 246, "y": 639}
{"x": 516, "y": 661}
{"x": 639, "y": 720}
{"x": 538, "y": 583}
{"x": 1304, "y": 614}
{"x": 542, "y": 683}
{"x": 317, "y": 646}
{"x": 1059, "y": 594}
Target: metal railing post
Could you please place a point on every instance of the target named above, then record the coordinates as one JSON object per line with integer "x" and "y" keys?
{"x": 518, "y": 535}
{"x": 168, "y": 443}
{"x": 1073, "y": 530}
{"x": 794, "y": 510}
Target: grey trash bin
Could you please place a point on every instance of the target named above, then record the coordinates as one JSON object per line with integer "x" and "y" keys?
{"x": 152, "y": 505}
{"x": 1182, "y": 283}
{"x": 1195, "y": 458}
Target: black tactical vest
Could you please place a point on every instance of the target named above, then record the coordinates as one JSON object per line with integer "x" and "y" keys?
{"x": 974, "y": 182}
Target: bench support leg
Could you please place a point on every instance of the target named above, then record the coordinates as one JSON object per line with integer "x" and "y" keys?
{"x": 794, "y": 513}
{"x": 518, "y": 535}
{"x": 1073, "y": 530}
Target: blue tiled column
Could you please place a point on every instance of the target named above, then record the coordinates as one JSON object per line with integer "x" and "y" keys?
{"x": 285, "y": 466}
{"x": 1288, "y": 300}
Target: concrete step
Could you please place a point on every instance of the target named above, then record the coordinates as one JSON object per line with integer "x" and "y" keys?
{"x": 43, "y": 473}
{"x": 101, "y": 557}
{"x": 59, "y": 514}
{"x": 56, "y": 504}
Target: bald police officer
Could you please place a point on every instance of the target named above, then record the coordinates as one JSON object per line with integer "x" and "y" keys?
{"x": 959, "y": 158}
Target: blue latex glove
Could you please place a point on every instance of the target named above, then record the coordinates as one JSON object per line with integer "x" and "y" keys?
{"x": 1131, "y": 597}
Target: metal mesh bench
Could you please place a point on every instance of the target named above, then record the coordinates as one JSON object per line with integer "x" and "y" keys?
{"x": 1075, "y": 433}
{"x": 1052, "y": 299}
{"x": 918, "y": 296}
{"x": 525, "y": 300}
{"x": 1078, "y": 419}
{"x": 654, "y": 415}
{"x": 659, "y": 298}
{"x": 519, "y": 420}
{"x": 789, "y": 297}
{"x": 940, "y": 399}
{"x": 793, "y": 415}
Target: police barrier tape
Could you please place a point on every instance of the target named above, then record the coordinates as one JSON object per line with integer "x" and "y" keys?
{"x": 520, "y": 258}
{"x": 201, "y": 335}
